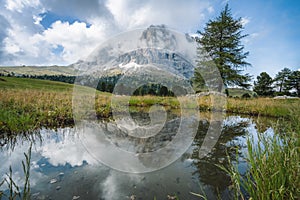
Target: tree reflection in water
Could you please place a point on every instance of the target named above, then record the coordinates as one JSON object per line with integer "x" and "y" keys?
{"x": 8, "y": 142}
{"x": 207, "y": 170}
{"x": 55, "y": 151}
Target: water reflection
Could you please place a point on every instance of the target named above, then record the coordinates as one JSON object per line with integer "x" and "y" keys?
{"x": 61, "y": 168}
{"x": 234, "y": 129}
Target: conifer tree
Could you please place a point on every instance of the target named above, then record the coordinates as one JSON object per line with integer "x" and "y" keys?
{"x": 220, "y": 44}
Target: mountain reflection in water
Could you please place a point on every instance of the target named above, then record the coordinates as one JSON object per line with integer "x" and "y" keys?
{"x": 62, "y": 168}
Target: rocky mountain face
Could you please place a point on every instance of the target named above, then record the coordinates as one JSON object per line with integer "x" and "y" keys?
{"x": 164, "y": 49}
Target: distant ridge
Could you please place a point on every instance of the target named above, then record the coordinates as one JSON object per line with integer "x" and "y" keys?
{"x": 38, "y": 70}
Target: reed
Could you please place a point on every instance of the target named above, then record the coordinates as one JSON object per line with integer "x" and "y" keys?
{"x": 273, "y": 165}
{"x": 267, "y": 107}
{"x": 14, "y": 191}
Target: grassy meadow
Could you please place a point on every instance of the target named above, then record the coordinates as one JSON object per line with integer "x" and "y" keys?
{"x": 29, "y": 104}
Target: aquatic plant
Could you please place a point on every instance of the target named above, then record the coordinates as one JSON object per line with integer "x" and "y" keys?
{"x": 14, "y": 190}
{"x": 273, "y": 165}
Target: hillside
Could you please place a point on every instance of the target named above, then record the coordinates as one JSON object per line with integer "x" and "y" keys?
{"x": 38, "y": 70}
{"x": 8, "y": 83}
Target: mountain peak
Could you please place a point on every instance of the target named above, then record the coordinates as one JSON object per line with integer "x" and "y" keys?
{"x": 159, "y": 36}
{"x": 170, "y": 50}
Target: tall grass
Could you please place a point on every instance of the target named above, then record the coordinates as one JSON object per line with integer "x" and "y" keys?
{"x": 262, "y": 106}
{"x": 274, "y": 166}
{"x": 27, "y": 104}
{"x": 26, "y": 110}
{"x": 14, "y": 190}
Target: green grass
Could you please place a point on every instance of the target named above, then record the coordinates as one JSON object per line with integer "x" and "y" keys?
{"x": 39, "y": 70}
{"x": 274, "y": 165}
{"x": 10, "y": 83}
{"x": 29, "y": 104}
{"x": 267, "y": 107}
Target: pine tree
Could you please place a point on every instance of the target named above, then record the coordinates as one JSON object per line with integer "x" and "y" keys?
{"x": 220, "y": 44}
{"x": 282, "y": 81}
{"x": 264, "y": 85}
{"x": 294, "y": 81}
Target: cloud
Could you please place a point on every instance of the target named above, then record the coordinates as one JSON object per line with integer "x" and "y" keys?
{"x": 25, "y": 41}
{"x": 245, "y": 21}
{"x": 210, "y": 9}
{"x": 18, "y": 5}
{"x": 77, "y": 39}
{"x": 81, "y": 9}
{"x": 65, "y": 148}
{"x": 4, "y": 24}
{"x": 176, "y": 14}
{"x": 252, "y": 37}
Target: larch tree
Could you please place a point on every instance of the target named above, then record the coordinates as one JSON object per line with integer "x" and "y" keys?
{"x": 220, "y": 44}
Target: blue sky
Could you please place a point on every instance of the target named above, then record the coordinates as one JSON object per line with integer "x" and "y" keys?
{"x": 59, "y": 32}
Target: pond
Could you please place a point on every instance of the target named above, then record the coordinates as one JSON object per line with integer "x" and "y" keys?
{"x": 63, "y": 166}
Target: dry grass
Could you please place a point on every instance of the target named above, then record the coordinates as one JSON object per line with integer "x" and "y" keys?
{"x": 25, "y": 105}
{"x": 25, "y": 110}
{"x": 263, "y": 106}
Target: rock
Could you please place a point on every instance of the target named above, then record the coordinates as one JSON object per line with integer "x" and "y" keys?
{"x": 58, "y": 188}
{"x": 133, "y": 197}
{"x": 53, "y": 181}
{"x": 171, "y": 197}
{"x": 75, "y": 197}
{"x": 35, "y": 195}
{"x": 285, "y": 97}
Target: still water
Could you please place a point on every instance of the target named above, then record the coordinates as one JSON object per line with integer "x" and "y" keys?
{"x": 62, "y": 167}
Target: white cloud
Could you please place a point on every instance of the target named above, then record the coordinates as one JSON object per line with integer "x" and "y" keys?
{"x": 26, "y": 41}
{"x": 210, "y": 9}
{"x": 77, "y": 39}
{"x": 69, "y": 150}
{"x": 18, "y": 5}
{"x": 245, "y": 21}
{"x": 37, "y": 19}
{"x": 252, "y": 37}
{"x": 176, "y": 14}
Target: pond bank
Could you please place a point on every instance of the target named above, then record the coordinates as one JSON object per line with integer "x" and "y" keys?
{"x": 26, "y": 110}
{"x": 62, "y": 167}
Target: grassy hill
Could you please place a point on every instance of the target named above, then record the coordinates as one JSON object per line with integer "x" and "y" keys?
{"x": 39, "y": 70}
{"x": 8, "y": 83}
